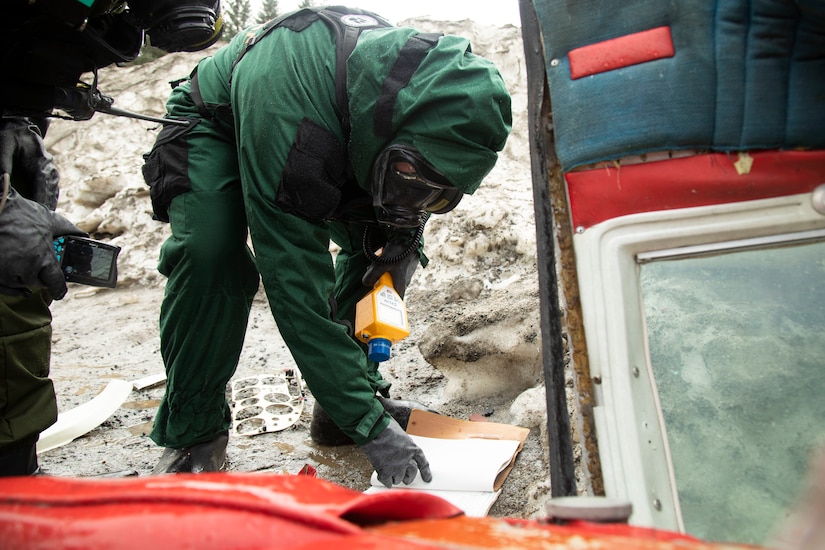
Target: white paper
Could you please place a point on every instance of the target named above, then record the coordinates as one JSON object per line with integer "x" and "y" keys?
{"x": 461, "y": 464}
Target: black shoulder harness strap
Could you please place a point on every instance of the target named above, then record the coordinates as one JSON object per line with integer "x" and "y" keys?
{"x": 347, "y": 24}
{"x": 407, "y": 62}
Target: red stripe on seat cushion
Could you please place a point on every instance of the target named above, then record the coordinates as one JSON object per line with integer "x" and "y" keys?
{"x": 702, "y": 180}
{"x": 623, "y": 51}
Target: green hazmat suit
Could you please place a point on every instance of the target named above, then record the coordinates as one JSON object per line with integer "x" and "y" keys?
{"x": 282, "y": 167}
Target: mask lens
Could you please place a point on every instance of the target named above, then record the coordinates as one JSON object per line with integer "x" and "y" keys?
{"x": 409, "y": 182}
{"x": 409, "y": 189}
{"x": 405, "y": 187}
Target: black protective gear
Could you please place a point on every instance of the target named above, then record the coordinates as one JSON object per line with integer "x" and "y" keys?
{"x": 396, "y": 458}
{"x": 50, "y": 44}
{"x": 40, "y": 53}
{"x": 76, "y": 13}
{"x": 24, "y": 157}
{"x": 27, "y": 233}
{"x": 401, "y": 270}
{"x": 179, "y": 25}
{"x": 20, "y": 458}
{"x": 110, "y": 38}
{"x": 405, "y": 187}
{"x": 209, "y": 456}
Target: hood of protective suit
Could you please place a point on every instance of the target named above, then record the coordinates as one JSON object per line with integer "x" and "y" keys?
{"x": 455, "y": 109}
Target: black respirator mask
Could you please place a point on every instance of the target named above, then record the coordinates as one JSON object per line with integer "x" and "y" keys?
{"x": 405, "y": 187}
{"x": 179, "y": 25}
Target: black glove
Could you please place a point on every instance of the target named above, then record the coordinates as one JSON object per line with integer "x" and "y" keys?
{"x": 401, "y": 410}
{"x": 396, "y": 458}
{"x": 24, "y": 157}
{"x": 401, "y": 271}
{"x": 27, "y": 233}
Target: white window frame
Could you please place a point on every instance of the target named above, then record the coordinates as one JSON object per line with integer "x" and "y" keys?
{"x": 632, "y": 440}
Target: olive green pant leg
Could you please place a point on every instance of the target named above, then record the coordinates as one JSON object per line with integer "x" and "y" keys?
{"x": 212, "y": 282}
{"x": 27, "y": 400}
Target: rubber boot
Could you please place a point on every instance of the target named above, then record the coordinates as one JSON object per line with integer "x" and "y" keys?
{"x": 324, "y": 431}
{"x": 202, "y": 457}
{"x": 20, "y": 459}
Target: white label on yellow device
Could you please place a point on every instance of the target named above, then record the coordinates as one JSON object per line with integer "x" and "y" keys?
{"x": 390, "y": 308}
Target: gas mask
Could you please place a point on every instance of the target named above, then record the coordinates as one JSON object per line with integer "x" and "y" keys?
{"x": 405, "y": 187}
{"x": 179, "y": 25}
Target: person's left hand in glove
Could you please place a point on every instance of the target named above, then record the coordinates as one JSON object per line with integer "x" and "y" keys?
{"x": 24, "y": 158}
{"x": 400, "y": 271}
{"x": 27, "y": 233}
{"x": 396, "y": 458}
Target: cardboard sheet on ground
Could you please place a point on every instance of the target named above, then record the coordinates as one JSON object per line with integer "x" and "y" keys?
{"x": 469, "y": 460}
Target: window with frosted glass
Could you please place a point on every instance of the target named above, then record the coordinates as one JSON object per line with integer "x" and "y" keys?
{"x": 737, "y": 349}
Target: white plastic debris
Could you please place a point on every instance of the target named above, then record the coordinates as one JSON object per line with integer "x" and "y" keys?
{"x": 149, "y": 381}
{"x": 84, "y": 418}
{"x": 267, "y": 402}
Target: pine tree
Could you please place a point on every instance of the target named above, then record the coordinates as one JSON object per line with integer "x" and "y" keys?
{"x": 306, "y": 4}
{"x": 269, "y": 10}
{"x": 238, "y": 16}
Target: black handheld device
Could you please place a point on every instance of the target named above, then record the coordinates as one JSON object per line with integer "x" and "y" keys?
{"x": 87, "y": 261}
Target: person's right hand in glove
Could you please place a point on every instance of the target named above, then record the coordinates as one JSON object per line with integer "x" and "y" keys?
{"x": 396, "y": 458}
{"x": 27, "y": 233}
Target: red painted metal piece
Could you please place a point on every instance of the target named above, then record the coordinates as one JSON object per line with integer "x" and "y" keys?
{"x": 478, "y": 533}
{"x": 308, "y": 470}
{"x": 701, "y": 180}
{"x": 223, "y": 511}
{"x": 623, "y": 51}
{"x": 229, "y": 511}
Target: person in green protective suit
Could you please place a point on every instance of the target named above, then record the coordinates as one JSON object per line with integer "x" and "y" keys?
{"x": 45, "y": 47}
{"x": 300, "y": 142}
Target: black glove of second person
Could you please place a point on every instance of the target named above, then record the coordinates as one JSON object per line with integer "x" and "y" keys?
{"x": 396, "y": 458}
{"x": 27, "y": 233}
{"x": 401, "y": 271}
